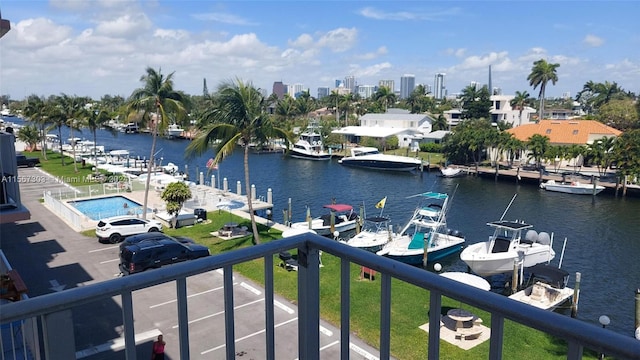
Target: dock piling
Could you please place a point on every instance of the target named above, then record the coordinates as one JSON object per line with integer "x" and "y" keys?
{"x": 576, "y": 296}
{"x": 637, "y": 322}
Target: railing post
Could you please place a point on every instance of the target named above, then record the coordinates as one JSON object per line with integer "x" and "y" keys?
{"x": 268, "y": 304}
{"x": 58, "y": 335}
{"x": 309, "y": 303}
{"x": 497, "y": 336}
{"x": 183, "y": 317}
{"x": 385, "y": 317}
{"x": 129, "y": 330}
{"x": 229, "y": 320}
{"x": 435, "y": 305}
{"x": 345, "y": 307}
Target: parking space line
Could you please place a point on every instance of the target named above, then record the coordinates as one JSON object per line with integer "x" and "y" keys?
{"x": 220, "y": 312}
{"x": 250, "y": 288}
{"x": 104, "y": 249}
{"x": 283, "y": 307}
{"x": 248, "y": 336}
{"x": 363, "y": 352}
{"x": 109, "y": 261}
{"x": 189, "y": 296}
{"x": 117, "y": 344}
{"x": 326, "y": 331}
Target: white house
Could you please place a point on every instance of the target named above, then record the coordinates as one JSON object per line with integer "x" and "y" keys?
{"x": 501, "y": 110}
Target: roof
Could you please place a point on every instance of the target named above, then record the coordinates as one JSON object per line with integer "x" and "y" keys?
{"x": 375, "y": 131}
{"x": 565, "y": 131}
{"x": 394, "y": 116}
{"x": 339, "y": 207}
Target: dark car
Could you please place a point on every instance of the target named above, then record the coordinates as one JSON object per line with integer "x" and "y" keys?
{"x": 157, "y": 251}
{"x": 22, "y": 160}
{"x": 151, "y": 236}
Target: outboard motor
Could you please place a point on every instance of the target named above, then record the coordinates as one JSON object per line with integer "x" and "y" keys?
{"x": 544, "y": 238}
{"x": 531, "y": 236}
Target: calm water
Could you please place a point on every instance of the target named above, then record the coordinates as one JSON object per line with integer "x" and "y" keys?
{"x": 603, "y": 234}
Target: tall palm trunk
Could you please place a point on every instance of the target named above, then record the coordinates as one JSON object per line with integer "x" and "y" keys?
{"x": 73, "y": 150}
{"x": 254, "y": 226}
{"x": 542, "y": 86}
{"x": 150, "y": 163}
{"x": 60, "y": 142}
{"x": 95, "y": 150}
{"x": 44, "y": 142}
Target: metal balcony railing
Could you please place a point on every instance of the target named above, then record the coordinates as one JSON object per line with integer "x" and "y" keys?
{"x": 577, "y": 334}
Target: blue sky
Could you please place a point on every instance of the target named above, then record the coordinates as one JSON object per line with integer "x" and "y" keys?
{"x": 98, "y": 47}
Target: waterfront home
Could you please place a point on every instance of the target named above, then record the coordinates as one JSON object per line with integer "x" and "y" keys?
{"x": 501, "y": 110}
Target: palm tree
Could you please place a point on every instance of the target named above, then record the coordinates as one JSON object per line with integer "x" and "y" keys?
{"x": 35, "y": 111}
{"x": 440, "y": 123}
{"x": 158, "y": 96}
{"x": 30, "y": 135}
{"x": 385, "y": 96}
{"x": 94, "y": 119}
{"x": 541, "y": 73}
{"x": 519, "y": 102}
{"x": 238, "y": 118}
{"x": 305, "y": 104}
{"x": 538, "y": 145}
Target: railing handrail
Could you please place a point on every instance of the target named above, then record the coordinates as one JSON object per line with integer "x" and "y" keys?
{"x": 588, "y": 335}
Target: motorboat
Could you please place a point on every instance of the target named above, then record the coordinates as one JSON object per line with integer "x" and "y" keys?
{"x": 573, "y": 187}
{"x": 309, "y": 146}
{"x": 371, "y": 158}
{"x": 375, "y": 233}
{"x": 425, "y": 231}
{"x": 174, "y": 131}
{"x": 513, "y": 243}
{"x": 546, "y": 288}
{"x": 341, "y": 218}
{"x": 130, "y": 128}
{"x": 451, "y": 172}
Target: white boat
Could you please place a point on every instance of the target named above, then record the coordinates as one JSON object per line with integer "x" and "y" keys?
{"x": 371, "y": 158}
{"x": 509, "y": 245}
{"x": 546, "y": 288}
{"x": 573, "y": 187}
{"x": 450, "y": 172}
{"x": 344, "y": 219}
{"x": 309, "y": 146}
{"x": 426, "y": 230}
{"x": 375, "y": 233}
{"x": 174, "y": 131}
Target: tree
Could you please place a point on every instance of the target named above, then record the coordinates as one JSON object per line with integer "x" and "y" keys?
{"x": 305, "y": 104}
{"x": 238, "y": 118}
{"x": 541, "y": 73}
{"x": 95, "y": 119}
{"x": 626, "y": 154}
{"x": 519, "y": 102}
{"x": 476, "y": 104}
{"x": 619, "y": 114}
{"x": 600, "y": 153}
{"x": 440, "y": 123}
{"x": 70, "y": 110}
{"x": 175, "y": 194}
{"x": 35, "y": 110}
{"x": 29, "y": 135}
{"x": 157, "y": 95}
{"x": 385, "y": 97}
{"x": 537, "y": 146}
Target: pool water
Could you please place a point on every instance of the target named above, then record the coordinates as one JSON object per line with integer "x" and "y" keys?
{"x": 105, "y": 207}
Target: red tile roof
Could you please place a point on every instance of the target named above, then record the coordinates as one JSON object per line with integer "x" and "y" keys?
{"x": 565, "y": 131}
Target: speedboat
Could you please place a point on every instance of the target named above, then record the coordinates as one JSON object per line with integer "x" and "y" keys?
{"x": 546, "y": 288}
{"x": 425, "y": 231}
{"x": 450, "y": 172}
{"x": 573, "y": 187}
{"x": 341, "y": 218}
{"x": 174, "y": 131}
{"x": 507, "y": 248}
{"x": 371, "y": 158}
{"x": 376, "y": 232}
{"x": 309, "y": 146}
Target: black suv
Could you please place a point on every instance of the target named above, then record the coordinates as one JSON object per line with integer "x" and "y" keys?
{"x": 150, "y": 251}
{"x": 22, "y": 160}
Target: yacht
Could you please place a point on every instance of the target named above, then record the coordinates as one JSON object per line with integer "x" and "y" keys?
{"x": 174, "y": 131}
{"x": 371, "y": 158}
{"x": 309, "y": 146}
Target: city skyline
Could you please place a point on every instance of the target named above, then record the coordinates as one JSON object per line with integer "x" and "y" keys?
{"x": 103, "y": 47}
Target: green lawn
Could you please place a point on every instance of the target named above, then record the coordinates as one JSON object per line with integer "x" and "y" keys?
{"x": 53, "y": 165}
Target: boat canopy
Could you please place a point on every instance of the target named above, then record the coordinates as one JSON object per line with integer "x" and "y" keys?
{"x": 511, "y": 225}
{"x": 377, "y": 219}
{"x": 339, "y": 207}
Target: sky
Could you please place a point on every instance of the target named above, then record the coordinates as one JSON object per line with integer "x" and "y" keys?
{"x": 97, "y": 47}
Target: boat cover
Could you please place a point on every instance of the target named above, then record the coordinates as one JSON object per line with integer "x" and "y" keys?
{"x": 339, "y": 207}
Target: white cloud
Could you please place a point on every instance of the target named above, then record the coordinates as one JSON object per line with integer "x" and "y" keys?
{"x": 171, "y": 34}
{"x": 303, "y": 41}
{"x": 376, "y": 14}
{"x": 125, "y": 25}
{"x": 223, "y": 18}
{"x": 371, "y": 71}
{"x": 456, "y": 52}
{"x": 38, "y": 33}
{"x": 339, "y": 40}
{"x": 477, "y": 62}
{"x": 593, "y": 41}
{"x": 374, "y": 54}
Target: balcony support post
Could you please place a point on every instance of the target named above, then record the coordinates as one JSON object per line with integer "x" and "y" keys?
{"x": 345, "y": 307}
{"x": 435, "y": 306}
{"x": 268, "y": 307}
{"x": 309, "y": 303}
{"x": 497, "y": 336}
{"x": 229, "y": 319}
{"x": 58, "y": 335}
{"x": 385, "y": 317}
{"x": 129, "y": 329}
{"x": 183, "y": 317}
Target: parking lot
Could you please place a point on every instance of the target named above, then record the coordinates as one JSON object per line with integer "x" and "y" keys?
{"x": 51, "y": 257}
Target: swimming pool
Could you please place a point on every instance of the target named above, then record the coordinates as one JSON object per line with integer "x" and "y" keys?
{"x": 105, "y": 207}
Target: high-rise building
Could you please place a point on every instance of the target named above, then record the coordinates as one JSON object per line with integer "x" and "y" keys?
{"x": 350, "y": 83}
{"x": 279, "y": 89}
{"x": 366, "y": 91}
{"x": 323, "y": 91}
{"x": 407, "y": 84}
{"x": 439, "y": 90}
{"x": 295, "y": 90}
{"x": 389, "y": 84}
{"x": 339, "y": 82}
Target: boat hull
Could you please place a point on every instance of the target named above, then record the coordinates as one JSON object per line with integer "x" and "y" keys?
{"x": 417, "y": 258}
{"x": 484, "y": 264}
{"x": 380, "y": 165}
{"x": 325, "y": 230}
{"x": 581, "y": 189}
{"x": 310, "y": 156}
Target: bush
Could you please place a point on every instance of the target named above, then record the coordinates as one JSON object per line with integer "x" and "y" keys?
{"x": 431, "y": 147}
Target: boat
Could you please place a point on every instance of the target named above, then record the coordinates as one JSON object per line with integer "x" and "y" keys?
{"x": 344, "y": 219}
{"x": 507, "y": 247}
{"x": 309, "y": 146}
{"x": 130, "y": 128}
{"x": 426, "y": 230}
{"x": 573, "y": 187}
{"x": 174, "y": 131}
{"x": 451, "y": 172}
{"x": 546, "y": 287}
{"x": 371, "y": 158}
{"x": 376, "y": 232}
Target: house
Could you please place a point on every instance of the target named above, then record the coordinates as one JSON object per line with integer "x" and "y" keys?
{"x": 501, "y": 110}
{"x": 409, "y": 128}
{"x": 558, "y": 114}
{"x": 566, "y": 133}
